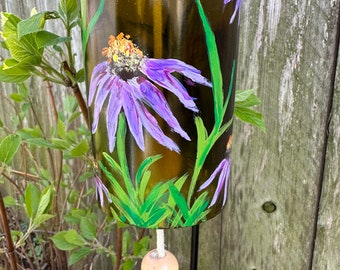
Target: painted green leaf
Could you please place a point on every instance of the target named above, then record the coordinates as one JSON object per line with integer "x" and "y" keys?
{"x": 155, "y": 196}
{"x": 79, "y": 254}
{"x": 9, "y": 145}
{"x": 198, "y": 211}
{"x": 88, "y": 30}
{"x": 32, "y": 198}
{"x": 180, "y": 200}
{"x": 157, "y": 217}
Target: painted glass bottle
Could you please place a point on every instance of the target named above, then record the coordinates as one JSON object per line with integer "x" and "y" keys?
{"x": 161, "y": 78}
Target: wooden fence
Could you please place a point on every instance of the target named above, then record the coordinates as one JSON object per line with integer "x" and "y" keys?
{"x": 284, "y": 198}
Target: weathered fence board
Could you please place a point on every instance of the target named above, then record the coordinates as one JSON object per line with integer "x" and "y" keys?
{"x": 327, "y": 251}
{"x": 287, "y": 52}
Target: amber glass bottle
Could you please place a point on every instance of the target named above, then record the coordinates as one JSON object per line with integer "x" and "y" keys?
{"x": 161, "y": 76}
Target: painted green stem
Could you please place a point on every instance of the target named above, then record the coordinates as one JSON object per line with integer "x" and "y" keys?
{"x": 220, "y": 106}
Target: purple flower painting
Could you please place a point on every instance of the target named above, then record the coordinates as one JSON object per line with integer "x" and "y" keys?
{"x": 101, "y": 191}
{"x": 130, "y": 82}
{"x": 223, "y": 170}
{"x": 237, "y": 8}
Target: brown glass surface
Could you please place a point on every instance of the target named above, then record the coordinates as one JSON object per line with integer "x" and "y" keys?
{"x": 170, "y": 29}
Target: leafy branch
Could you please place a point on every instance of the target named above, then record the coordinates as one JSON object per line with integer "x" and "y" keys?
{"x": 27, "y": 40}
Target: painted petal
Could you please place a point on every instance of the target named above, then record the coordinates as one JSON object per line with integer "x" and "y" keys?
{"x": 133, "y": 115}
{"x": 105, "y": 87}
{"x": 226, "y": 184}
{"x": 175, "y": 65}
{"x": 98, "y": 72}
{"x": 237, "y": 8}
{"x": 113, "y": 108}
{"x": 153, "y": 97}
{"x": 170, "y": 83}
{"x": 151, "y": 125}
{"x": 222, "y": 182}
{"x": 212, "y": 176}
{"x": 101, "y": 190}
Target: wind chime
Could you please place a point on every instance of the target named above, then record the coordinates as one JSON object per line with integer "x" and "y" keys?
{"x": 161, "y": 76}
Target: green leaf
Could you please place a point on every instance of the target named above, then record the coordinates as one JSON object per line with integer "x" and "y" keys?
{"x": 9, "y": 145}
{"x": 25, "y": 48}
{"x": 59, "y": 239}
{"x": 45, "y": 39}
{"x": 250, "y": 116}
{"x": 180, "y": 200}
{"x": 70, "y": 104}
{"x": 126, "y": 242}
{"x": 60, "y": 143}
{"x": 16, "y": 97}
{"x": 44, "y": 201}
{"x": 61, "y": 127}
{"x": 81, "y": 149}
{"x": 80, "y": 76}
{"x": 88, "y": 30}
{"x": 9, "y": 201}
{"x": 128, "y": 264}
{"x": 246, "y": 98}
{"x": 68, "y": 10}
{"x": 9, "y": 24}
{"x": 41, "y": 219}
{"x": 75, "y": 216}
{"x": 40, "y": 142}
{"x": 79, "y": 254}
{"x": 87, "y": 228}
{"x": 32, "y": 198}
{"x": 141, "y": 247}
{"x": 31, "y": 25}
{"x": 73, "y": 237}
{"x": 14, "y": 74}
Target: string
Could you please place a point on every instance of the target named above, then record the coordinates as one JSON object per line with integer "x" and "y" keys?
{"x": 160, "y": 243}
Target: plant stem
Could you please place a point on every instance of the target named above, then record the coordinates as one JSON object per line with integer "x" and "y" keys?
{"x": 10, "y": 250}
{"x": 119, "y": 240}
{"x": 77, "y": 94}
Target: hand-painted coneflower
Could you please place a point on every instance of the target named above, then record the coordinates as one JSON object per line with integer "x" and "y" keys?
{"x": 101, "y": 191}
{"x": 237, "y": 8}
{"x": 129, "y": 81}
{"x": 223, "y": 170}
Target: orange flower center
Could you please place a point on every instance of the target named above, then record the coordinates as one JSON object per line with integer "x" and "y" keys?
{"x": 123, "y": 56}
